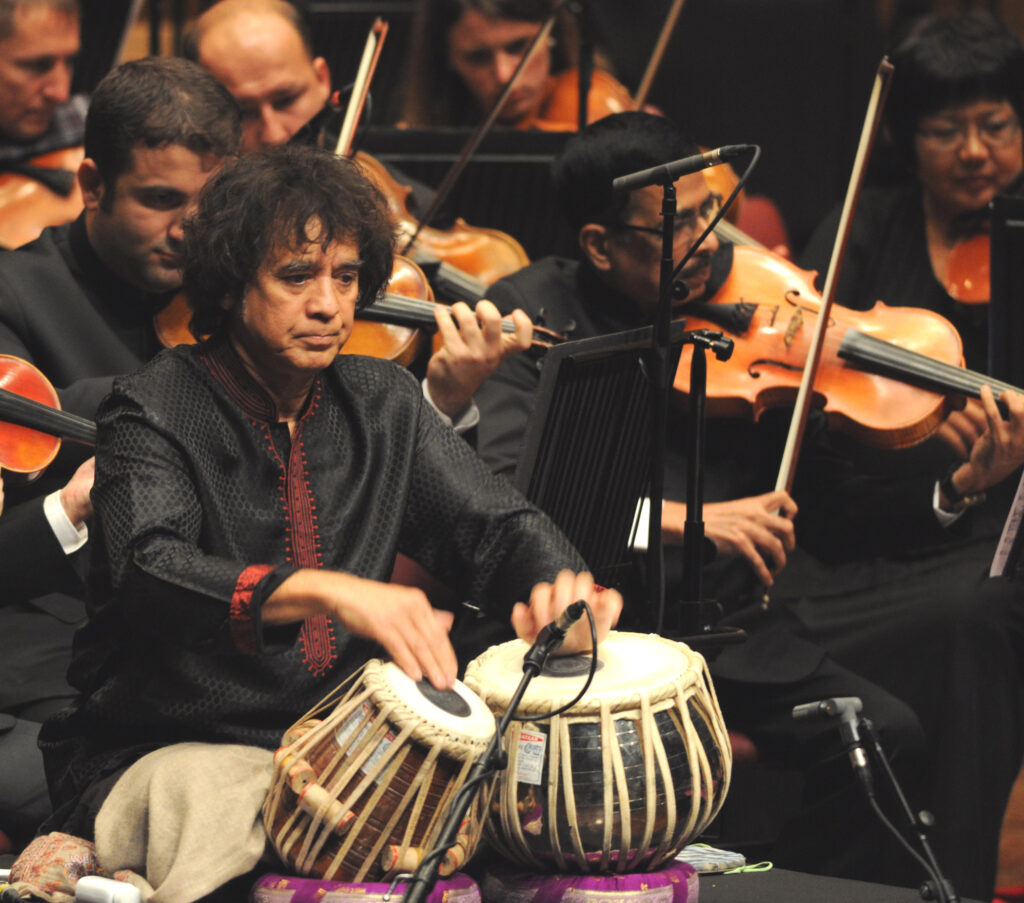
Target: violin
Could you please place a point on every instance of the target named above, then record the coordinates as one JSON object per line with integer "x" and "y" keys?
{"x": 885, "y": 376}
{"x": 559, "y": 110}
{"x": 968, "y": 270}
{"x": 28, "y": 206}
{"x": 390, "y": 328}
{"x": 393, "y": 341}
{"x": 467, "y": 258}
{"x": 31, "y": 421}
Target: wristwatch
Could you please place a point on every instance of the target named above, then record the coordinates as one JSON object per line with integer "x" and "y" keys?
{"x": 957, "y": 500}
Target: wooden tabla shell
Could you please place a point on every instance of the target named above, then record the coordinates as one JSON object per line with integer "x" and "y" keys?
{"x": 362, "y": 782}
{"x": 624, "y": 779}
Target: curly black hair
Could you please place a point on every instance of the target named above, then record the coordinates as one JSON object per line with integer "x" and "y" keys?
{"x": 280, "y": 199}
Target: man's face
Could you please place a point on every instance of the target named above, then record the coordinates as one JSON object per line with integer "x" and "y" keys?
{"x": 633, "y": 257}
{"x": 135, "y": 227}
{"x": 485, "y": 51}
{"x": 36, "y": 63}
{"x": 261, "y": 60}
{"x": 298, "y": 311}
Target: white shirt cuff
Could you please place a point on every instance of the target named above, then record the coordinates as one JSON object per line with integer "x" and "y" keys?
{"x": 469, "y": 417}
{"x": 945, "y": 518}
{"x": 70, "y": 537}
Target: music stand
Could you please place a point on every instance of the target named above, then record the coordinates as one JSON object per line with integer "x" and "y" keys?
{"x": 586, "y": 458}
{"x": 506, "y": 185}
{"x": 1005, "y": 341}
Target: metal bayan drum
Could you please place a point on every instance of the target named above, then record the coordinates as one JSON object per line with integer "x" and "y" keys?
{"x": 362, "y": 782}
{"x": 627, "y": 777}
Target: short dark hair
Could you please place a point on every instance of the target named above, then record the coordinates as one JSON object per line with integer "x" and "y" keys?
{"x": 263, "y": 203}
{"x": 951, "y": 60}
{"x": 293, "y": 13}
{"x": 603, "y": 151}
{"x": 9, "y": 7}
{"x": 157, "y": 102}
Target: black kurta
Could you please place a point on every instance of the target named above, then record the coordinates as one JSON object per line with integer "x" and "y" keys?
{"x": 205, "y": 503}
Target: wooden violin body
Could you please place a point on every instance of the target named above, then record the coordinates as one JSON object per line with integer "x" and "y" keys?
{"x": 388, "y": 340}
{"x": 472, "y": 257}
{"x": 559, "y": 111}
{"x": 31, "y": 421}
{"x": 913, "y": 348}
{"x": 27, "y": 206}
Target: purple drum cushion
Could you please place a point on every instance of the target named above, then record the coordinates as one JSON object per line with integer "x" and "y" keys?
{"x": 272, "y": 888}
{"x": 677, "y": 883}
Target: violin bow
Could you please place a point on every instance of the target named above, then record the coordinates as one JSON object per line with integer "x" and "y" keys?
{"x": 361, "y": 86}
{"x": 658, "y": 53}
{"x": 798, "y": 423}
{"x": 473, "y": 142}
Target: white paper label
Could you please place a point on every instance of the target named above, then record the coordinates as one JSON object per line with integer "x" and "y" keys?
{"x": 530, "y": 759}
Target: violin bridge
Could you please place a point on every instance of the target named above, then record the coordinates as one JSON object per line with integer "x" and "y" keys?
{"x": 796, "y": 322}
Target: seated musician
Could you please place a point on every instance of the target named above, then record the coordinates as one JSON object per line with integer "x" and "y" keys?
{"x": 614, "y": 286}
{"x": 464, "y": 52}
{"x": 38, "y": 46}
{"x": 262, "y": 53}
{"x": 40, "y": 122}
{"x": 252, "y": 492}
{"x": 79, "y": 303}
{"x": 890, "y": 602}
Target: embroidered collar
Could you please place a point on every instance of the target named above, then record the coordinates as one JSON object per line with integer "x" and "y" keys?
{"x": 254, "y": 400}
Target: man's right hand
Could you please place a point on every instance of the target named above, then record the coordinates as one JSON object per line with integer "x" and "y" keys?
{"x": 399, "y": 618}
{"x": 74, "y": 497}
{"x": 758, "y": 528}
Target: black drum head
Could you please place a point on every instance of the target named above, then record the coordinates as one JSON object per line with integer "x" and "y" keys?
{"x": 568, "y": 665}
{"x": 446, "y": 700}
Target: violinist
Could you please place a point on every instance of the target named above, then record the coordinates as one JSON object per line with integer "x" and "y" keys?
{"x": 463, "y": 55}
{"x": 79, "y": 303}
{"x": 38, "y": 46}
{"x": 901, "y": 580}
{"x": 261, "y": 51}
{"x": 614, "y": 286}
{"x": 40, "y": 122}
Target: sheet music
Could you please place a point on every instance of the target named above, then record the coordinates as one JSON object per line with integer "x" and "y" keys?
{"x": 1010, "y": 534}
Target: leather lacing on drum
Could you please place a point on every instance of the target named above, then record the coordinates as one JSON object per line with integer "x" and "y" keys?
{"x": 301, "y": 838}
{"x": 694, "y": 683}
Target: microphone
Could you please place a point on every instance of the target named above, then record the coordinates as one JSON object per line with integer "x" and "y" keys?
{"x": 553, "y": 635}
{"x": 846, "y": 709}
{"x": 669, "y": 172}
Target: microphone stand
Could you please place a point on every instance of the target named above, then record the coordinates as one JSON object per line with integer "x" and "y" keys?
{"x": 693, "y": 607}
{"x": 495, "y": 759}
{"x": 661, "y": 379}
{"x": 939, "y": 887}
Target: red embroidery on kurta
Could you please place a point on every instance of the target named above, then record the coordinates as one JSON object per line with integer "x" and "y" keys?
{"x": 243, "y": 630}
{"x": 317, "y": 637}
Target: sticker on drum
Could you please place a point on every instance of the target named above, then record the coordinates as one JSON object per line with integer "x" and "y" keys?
{"x": 624, "y": 779}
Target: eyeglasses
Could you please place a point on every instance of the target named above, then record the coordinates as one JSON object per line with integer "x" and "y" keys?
{"x": 994, "y": 133}
{"x": 684, "y": 222}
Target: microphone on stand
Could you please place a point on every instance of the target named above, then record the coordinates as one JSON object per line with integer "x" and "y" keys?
{"x": 669, "y": 172}
{"x": 847, "y": 709}
{"x": 552, "y": 636}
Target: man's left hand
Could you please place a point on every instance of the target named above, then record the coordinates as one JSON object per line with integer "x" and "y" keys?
{"x": 549, "y": 600}
{"x": 474, "y": 346}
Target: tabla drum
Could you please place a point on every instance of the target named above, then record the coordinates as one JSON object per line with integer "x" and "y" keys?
{"x": 626, "y": 778}
{"x": 363, "y": 781}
